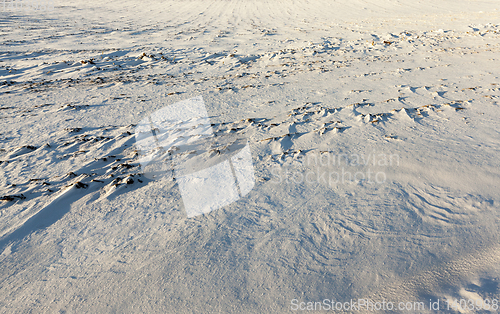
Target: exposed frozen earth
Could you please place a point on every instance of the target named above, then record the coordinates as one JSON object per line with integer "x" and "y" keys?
{"x": 83, "y": 230}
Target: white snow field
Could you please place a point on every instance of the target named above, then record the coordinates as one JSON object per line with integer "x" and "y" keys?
{"x": 374, "y": 133}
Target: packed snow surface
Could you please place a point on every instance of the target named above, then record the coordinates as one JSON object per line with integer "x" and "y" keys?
{"x": 374, "y": 134}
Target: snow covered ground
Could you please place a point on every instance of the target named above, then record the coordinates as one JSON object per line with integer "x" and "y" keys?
{"x": 374, "y": 132}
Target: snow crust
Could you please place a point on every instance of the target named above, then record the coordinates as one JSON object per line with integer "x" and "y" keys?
{"x": 373, "y": 128}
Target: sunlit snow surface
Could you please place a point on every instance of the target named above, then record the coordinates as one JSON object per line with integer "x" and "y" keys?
{"x": 373, "y": 128}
